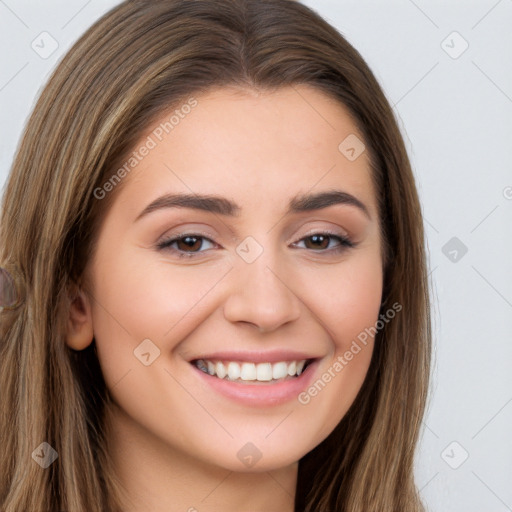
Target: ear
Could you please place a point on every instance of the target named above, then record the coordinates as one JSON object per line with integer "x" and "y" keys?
{"x": 79, "y": 325}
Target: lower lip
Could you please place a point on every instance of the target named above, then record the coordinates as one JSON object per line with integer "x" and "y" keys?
{"x": 262, "y": 394}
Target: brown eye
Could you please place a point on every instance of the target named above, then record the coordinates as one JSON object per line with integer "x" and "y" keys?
{"x": 320, "y": 242}
{"x": 185, "y": 245}
{"x": 189, "y": 242}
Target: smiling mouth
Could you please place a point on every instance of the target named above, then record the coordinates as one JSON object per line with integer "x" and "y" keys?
{"x": 253, "y": 372}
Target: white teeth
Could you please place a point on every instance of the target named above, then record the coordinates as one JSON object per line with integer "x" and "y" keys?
{"x": 248, "y": 371}
{"x": 262, "y": 372}
{"x": 279, "y": 370}
{"x": 233, "y": 371}
{"x": 220, "y": 370}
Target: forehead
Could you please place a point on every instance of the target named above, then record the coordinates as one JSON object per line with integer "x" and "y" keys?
{"x": 256, "y": 146}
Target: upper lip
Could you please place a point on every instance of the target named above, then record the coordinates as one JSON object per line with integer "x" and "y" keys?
{"x": 274, "y": 356}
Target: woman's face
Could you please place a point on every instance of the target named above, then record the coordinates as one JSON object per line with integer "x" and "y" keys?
{"x": 259, "y": 278}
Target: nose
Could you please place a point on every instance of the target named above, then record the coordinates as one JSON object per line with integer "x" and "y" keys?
{"x": 262, "y": 296}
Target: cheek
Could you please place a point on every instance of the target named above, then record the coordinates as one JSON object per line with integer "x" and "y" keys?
{"x": 139, "y": 298}
{"x": 347, "y": 303}
{"x": 347, "y": 297}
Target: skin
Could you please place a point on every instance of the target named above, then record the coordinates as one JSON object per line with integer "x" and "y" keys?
{"x": 174, "y": 441}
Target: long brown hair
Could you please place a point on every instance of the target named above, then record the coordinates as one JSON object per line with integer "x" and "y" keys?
{"x": 136, "y": 62}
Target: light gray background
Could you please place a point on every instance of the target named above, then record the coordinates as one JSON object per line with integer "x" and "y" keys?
{"x": 455, "y": 111}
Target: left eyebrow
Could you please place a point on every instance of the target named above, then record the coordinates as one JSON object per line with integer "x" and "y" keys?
{"x": 224, "y": 206}
{"x": 309, "y": 202}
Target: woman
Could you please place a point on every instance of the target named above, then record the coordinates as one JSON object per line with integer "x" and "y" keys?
{"x": 182, "y": 336}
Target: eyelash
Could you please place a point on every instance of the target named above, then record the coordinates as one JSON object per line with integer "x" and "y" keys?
{"x": 345, "y": 243}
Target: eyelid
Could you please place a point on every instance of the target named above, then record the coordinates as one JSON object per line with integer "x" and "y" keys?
{"x": 187, "y": 232}
{"x": 167, "y": 239}
{"x": 327, "y": 231}
{"x": 346, "y": 241}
